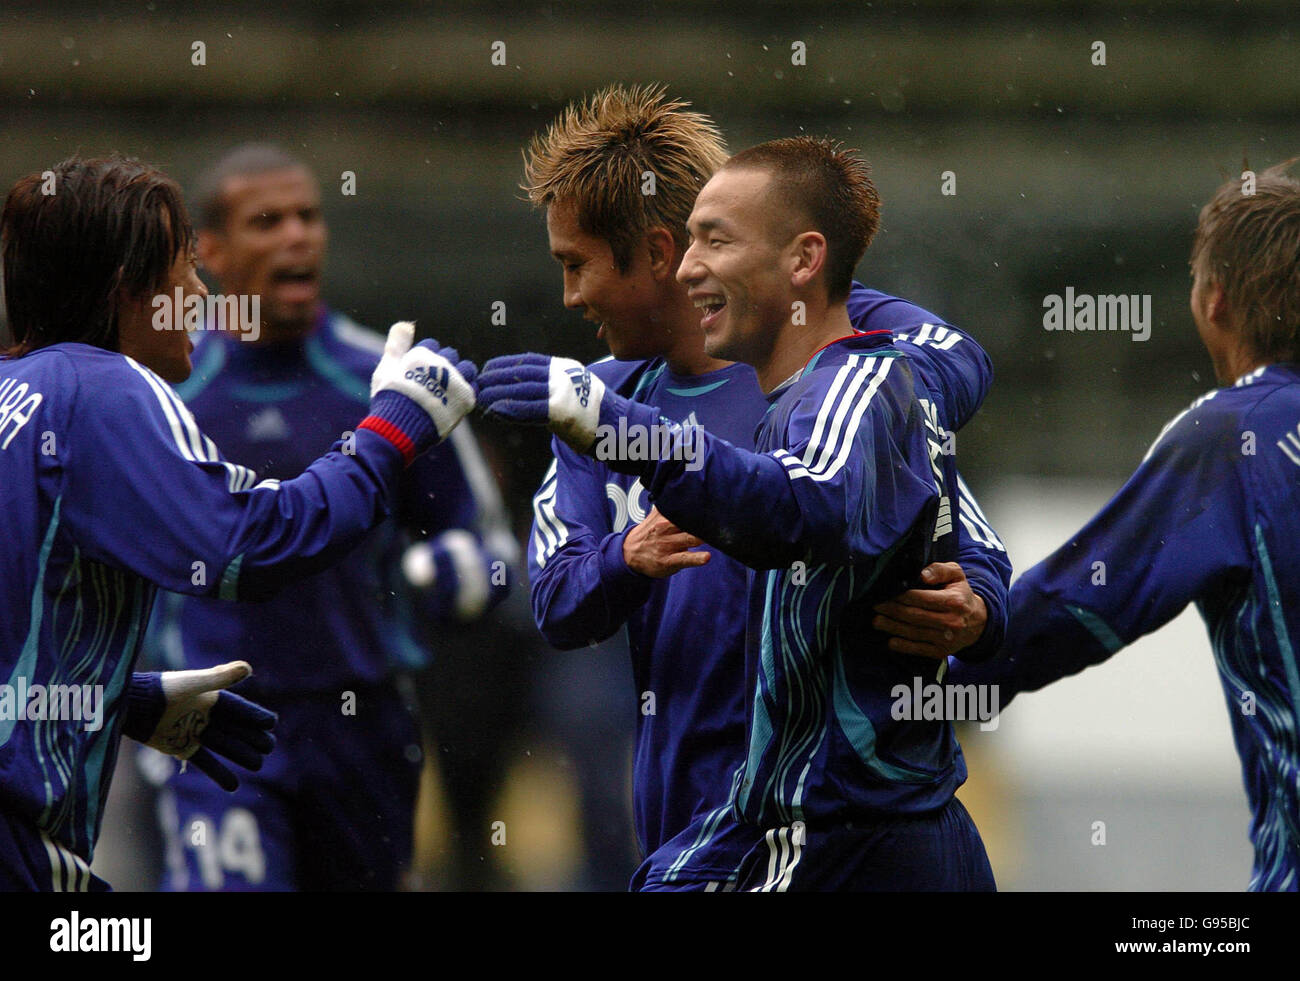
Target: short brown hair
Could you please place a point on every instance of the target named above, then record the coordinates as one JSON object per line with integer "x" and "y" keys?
{"x": 829, "y": 187}
{"x": 211, "y": 205}
{"x": 1249, "y": 244}
{"x": 111, "y": 224}
{"x": 597, "y": 155}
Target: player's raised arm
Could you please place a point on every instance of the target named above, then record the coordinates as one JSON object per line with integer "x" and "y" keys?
{"x": 212, "y": 529}
{"x": 810, "y": 502}
{"x": 964, "y": 610}
{"x": 954, "y": 365}
{"x": 1177, "y": 530}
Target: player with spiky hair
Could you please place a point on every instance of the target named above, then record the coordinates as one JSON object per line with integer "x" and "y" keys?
{"x": 618, "y": 174}
{"x": 1211, "y": 517}
{"x": 110, "y": 490}
{"x": 599, "y": 557}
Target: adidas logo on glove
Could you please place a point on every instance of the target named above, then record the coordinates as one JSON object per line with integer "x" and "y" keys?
{"x": 581, "y": 379}
{"x": 434, "y": 380}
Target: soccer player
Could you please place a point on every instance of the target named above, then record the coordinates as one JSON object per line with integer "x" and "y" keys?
{"x": 110, "y": 490}
{"x": 599, "y": 557}
{"x": 334, "y": 808}
{"x": 586, "y": 572}
{"x": 1211, "y": 517}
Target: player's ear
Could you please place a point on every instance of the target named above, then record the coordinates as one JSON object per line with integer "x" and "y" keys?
{"x": 211, "y": 250}
{"x": 122, "y": 295}
{"x": 1216, "y": 307}
{"x": 807, "y": 255}
{"x": 663, "y": 252}
{"x": 129, "y": 308}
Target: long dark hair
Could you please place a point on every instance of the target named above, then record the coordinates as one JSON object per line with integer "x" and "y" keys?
{"x": 76, "y": 235}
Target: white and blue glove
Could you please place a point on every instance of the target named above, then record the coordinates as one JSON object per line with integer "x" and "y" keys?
{"x": 457, "y": 575}
{"x": 418, "y": 394}
{"x": 534, "y": 389}
{"x": 189, "y": 715}
{"x": 558, "y": 393}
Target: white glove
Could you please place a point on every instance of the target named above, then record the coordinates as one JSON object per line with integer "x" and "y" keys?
{"x": 434, "y": 378}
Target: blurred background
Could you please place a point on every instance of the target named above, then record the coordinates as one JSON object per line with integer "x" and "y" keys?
{"x": 1068, "y": 173}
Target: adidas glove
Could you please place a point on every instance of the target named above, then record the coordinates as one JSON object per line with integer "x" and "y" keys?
{"x": 186, "y": 714}
{"x": 418, "y": 394}
{"x": 557, "y": 392}
{"x": 458, "y": 576}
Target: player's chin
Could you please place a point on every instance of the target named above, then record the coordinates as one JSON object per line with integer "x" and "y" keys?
{"x": 625, "y": 348}
{"x": 299, "y": 315}
{"x": 176, "y": 370}
{"x": 716, "y": 345}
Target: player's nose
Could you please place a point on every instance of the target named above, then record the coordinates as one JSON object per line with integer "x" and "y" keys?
{"x": 573, "y": 295}
{"x": 297, "y": 232}
{"x": 690, "y": 271}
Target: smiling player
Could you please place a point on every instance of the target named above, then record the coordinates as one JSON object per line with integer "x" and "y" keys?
{"x": 593, "y": 565}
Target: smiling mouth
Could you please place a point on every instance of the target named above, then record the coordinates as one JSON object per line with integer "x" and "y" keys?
{"x": 711, "y": 307}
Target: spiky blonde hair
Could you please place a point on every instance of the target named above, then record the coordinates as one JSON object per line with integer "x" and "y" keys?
{"x": 599, "y": 155}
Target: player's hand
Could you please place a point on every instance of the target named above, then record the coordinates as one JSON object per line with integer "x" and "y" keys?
{"x": 658, "y": 548}
{"x": 934, "y": 622}
{"x": 457, "y": 575}
{"x": 534, "y": 389}
{"x": 189, "y": 715}
{"x": 418, "y": 394}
